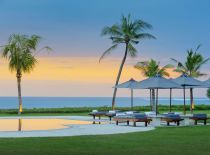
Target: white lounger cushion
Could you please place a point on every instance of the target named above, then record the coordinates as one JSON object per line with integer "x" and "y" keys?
{"x": 150, "y": 113}
{"x": 94, "y": 110}
{"x": 175, "y": 113}
{"x": 120, "y": 114}
{"x": 129, "y": 112}
{"x": 178, "y": 113}
{"x": 112, "y": 111}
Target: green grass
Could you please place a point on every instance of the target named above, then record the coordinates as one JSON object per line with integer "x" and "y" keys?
{"x": 86, "y": 110}
{"x": 162, "y": 141}
{"x": 73, "y": 114}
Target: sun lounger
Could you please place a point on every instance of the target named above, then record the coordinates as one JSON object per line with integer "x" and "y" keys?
{"x": 175, "y": 113}
{"x": 169, "y": 118}
{"x": 98, "y": 114}
{"x": 132, "y": 118}
{"x": 199, "y": 117}
{"x": 150, "y": 113}
{"x": 112, "y": 113}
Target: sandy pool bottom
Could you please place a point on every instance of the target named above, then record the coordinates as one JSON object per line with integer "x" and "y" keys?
{"x": 37, "y": 124}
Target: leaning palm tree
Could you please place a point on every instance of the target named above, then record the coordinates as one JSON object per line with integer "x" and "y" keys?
{"x": 20, "y": 52}
{"x": 127, "y": 33}
{"x": 191, "y": 67}
{"x": 150, "y": 69}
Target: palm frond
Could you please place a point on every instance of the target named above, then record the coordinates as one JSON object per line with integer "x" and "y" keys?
{"x": 197, "y": 74}
{"x": 202, "y": 63}
{"x": 47, "y": 48}
{"x": 179, "y": 70}
{"x": 128, "y": 32}
{"x": 134, "y": 41}
{"x": 114, "y": 30}
{"x": 140, "y": 25}
{"x": 108, "y": 51}
{"x": 163, "y": 72}
{"x": 168, "y": 66}
{"x": 174, "y": 60}
{"x": 19, "y": 51}
{"x": 198, "y": 47}
{"x": 180, "y": 66}
{"x": 145, "y": 36}
{"x": 151, "y": 68}
{"x": 132, "y": 50}
{"x": 117, "y": 40}
{"x": 33, "y": 42}
{"x": 142, "y": 63}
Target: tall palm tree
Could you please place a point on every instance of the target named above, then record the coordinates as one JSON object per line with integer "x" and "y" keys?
{"x": 127, "y": 33}
{"x": 150, "y": 69}
{"x": 208, "y": 93}
{"x": 20, "y": 52}
{"x": 191, "y": 67}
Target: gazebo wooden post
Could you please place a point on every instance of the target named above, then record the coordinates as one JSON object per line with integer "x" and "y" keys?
{"x": 131, "y": 99}
{"x": 156, "y": 101}
{"x": 170, "y": 98}
{"x": 184, "y": 101}
{"x": 150, "y": 99}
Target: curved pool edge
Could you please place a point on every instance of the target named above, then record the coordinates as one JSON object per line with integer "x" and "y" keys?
{"x": 74, "y": 130}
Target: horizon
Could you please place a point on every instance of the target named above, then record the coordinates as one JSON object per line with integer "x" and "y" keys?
{"x": 73, "y": 28}
{"x": 147, "y": 98}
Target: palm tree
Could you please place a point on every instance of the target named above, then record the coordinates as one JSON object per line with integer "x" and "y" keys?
{"x": 20, "y": 52}
{"x": 150, "y": 69}
{"x": 191, "y": 67}
{"x": 208, "y": 93}
{"x": 127, "y": 33}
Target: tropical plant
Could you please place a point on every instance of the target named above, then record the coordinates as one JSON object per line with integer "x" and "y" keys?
{"x": 208, "y": 93}
{"x": 128, "y": 33}
{"x": 150, "y": 69}
{"x": 191, "y": 67}
{"x": 20, "y": 52}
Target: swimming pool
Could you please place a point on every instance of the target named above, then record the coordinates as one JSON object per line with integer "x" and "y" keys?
{"x": 32, "y": 124}
{"x": 60, "y": 126}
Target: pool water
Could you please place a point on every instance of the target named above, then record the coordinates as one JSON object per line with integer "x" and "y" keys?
{"x": 37, "y": 124}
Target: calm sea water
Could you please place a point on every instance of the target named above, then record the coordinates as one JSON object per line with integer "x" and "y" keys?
{"x": 60, "y": 102}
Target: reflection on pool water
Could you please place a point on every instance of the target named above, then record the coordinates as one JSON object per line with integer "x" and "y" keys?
{"x": 37, "y": 124}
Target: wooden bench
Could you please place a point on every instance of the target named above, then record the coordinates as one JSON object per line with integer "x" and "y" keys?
{"x": 170, "y": 120}
{"x": 134, "y": 120}
{"x": 110, "y": 115}
{"x": 199, "y": 117}
{"x": 97, "y": 114}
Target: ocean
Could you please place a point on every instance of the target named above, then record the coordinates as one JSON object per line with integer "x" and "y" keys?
{"x": 61, "y": 102}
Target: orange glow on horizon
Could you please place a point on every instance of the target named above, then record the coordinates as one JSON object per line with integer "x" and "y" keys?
{"x": 80, "y": 69}
{"x": 70, "y": 76}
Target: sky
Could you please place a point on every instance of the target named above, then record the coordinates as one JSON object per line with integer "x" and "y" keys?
{"x": 72, "y": 28}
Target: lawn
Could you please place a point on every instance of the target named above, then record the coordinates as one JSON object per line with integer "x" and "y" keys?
{"x": 85, "y": 110}
{"x": 162, "y": 141}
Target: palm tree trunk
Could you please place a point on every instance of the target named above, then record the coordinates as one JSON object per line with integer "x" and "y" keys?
{"x": 156, "y": 108}
{"x": 131, "y": 99}
{"x": 184, "y": 100}
{"x": 118, "y": 76}
{"x": 153, "y": 100}
{"x": 20, "y": 124}
{"x": 150, "y": 99}
{"x": 18, "y": 75}
{"x": 191, "y": 100}
{"x": 170, "y": 99}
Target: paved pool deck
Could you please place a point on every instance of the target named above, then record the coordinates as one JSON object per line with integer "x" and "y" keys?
{"x": 75, "y": 130}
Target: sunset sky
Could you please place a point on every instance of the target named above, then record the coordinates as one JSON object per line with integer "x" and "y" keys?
{"x": 72, "y": 29}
